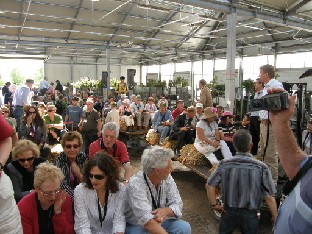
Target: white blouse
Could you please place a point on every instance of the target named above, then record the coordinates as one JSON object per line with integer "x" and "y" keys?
{"x": 87, "y": 215}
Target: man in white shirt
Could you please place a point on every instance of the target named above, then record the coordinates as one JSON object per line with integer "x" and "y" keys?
{"x": 153, "y": 203}
{"x": 268, "y": 152}
{"x": 44, "y": 86}
{"x": 21, "y": 98}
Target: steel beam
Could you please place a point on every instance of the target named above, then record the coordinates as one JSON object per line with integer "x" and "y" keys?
{"x": 75, "y": 17}
{"x": 272, "y": 17}
{"x": 298, "y": 4}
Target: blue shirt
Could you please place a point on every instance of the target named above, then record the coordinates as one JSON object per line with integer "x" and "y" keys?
{"x": 74, "y": 114}
{"x": 21, "y": 96}
{"x": 159, "y": 117}
{"x": 295, "y": 214}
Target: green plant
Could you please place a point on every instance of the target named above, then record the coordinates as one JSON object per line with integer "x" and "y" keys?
{"x": 83, "y": 83}
{"x": 17, "y": 77}
{"x": 113, "y": 82}
{"x": 249, "y": 86}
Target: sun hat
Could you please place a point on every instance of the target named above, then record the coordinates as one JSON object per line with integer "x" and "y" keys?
{"x": 227, "y": 113}
{"x": 209, "y": 112}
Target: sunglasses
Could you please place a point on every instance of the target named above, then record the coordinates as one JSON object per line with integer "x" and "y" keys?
{"x": 50, "y": 110}
{"x": 5, "y": 112}
{"x": 97, "y": 177}
{"x": 48, "y": 194}
{"x": 32, "y": 112}
{"x": 23, "y": 160}
{"x": 72, "y": 146}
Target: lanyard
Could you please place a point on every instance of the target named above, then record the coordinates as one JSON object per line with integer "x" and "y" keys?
{"x": 153, "y": 199}
{"x": 105, "y": 208}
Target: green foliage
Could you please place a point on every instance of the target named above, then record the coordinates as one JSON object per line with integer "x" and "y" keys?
{"x": 180, "y": 81}
{"x": 17, "y": 77}
{"x": 83, "y": 83}
{"x": 216, "y": 89}
{"x": 39, "y": 75}
{"x": 2, "y": 82}
{"x": 156, "y": 83}
{"x": 114, "y": 82}
{"x": 249, "y": 86}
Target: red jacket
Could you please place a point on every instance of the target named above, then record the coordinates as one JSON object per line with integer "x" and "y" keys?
{"x": 63, "y": 223}
{"x": 121, "y": 153}
{"x": 177, "y": 112}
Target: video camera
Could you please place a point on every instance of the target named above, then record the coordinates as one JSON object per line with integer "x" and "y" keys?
{"x": 271, "y": 102}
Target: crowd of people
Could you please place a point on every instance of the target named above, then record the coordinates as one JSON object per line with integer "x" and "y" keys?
{"x": 84, "y": 190}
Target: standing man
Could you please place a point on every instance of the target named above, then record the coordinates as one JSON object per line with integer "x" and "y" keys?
{"x": 74, "y": 114}
{"x": 117, "y": 149}
{"x": 254, "y": 124}
{"x": 268, "y": 152}
{"x": 122, "y": 87}
{"x": 6, "y": 92}
{"x": 244, "y": 179}
{"x": 90, "y": 125}
{"x": 205, "y": 94}
{"x": 295, "y": 213}
{"x": 153, "y": 202}
{"x": 44, "y": 86}
{"x": 59, "y": 86}
{"x": 21, "y": 98}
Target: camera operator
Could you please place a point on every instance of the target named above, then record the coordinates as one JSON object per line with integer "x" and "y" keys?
{"x": 295, "y": 214}
{"x": 268, "y": 151}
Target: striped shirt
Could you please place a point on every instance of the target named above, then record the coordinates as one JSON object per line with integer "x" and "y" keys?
{"x": 63, "y": 163}
{"x": 243, "y": 180}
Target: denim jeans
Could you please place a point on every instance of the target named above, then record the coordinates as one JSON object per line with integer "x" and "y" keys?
{"x": 163, "y": 130}
{"x": 18, "y": 112}
{"x": 172, "y": 226}
{"x": 232, "y": 218}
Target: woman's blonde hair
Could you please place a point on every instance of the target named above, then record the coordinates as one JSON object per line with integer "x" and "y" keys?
{"x": 23, "y": 146}
{"x": 47, "y": 172}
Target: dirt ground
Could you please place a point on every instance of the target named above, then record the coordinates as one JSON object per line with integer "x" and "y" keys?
{"x": 196, "y": 207}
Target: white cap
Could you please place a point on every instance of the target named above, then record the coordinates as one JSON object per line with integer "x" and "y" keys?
{"x": 200, "y": 105}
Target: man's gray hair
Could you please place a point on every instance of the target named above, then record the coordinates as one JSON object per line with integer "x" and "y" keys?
{"x": 111, "y": 126}
{"x": 155, "y": 157}
{"x": 242, "y": 140}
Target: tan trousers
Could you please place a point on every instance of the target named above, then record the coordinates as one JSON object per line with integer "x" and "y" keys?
{"x": 271, "y": 156}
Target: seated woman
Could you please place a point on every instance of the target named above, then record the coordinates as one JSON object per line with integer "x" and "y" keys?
{"x": 33, "y": 128}
{"x": 208, "y": 140}
{"x": 48, "y": 209}
{"x": 126, "y": 113}
{"x": 71, "y": 161}
{"x": 307, "y": 139}
{"x": 99, "y": 201}
{"x": 54, "y": 124}
{"x": 150, "y": 109}
{"x": 25, "y": 155}
{"x": 226, "y": 128}
{"x": 162, "y": 121}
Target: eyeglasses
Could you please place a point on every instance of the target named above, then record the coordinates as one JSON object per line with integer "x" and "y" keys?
{"x": 32, "y": 112}
{"x": 72, "y": 146}
{"x": 23, "y": 160}
{"x": 48, "y": 194}
{"x": 50, "y": 110}
{"x": 97, "y": 177}
{"x": 5, "y": 112}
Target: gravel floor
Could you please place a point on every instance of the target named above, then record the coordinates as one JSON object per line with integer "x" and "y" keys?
{"x": 196, "y": 207}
